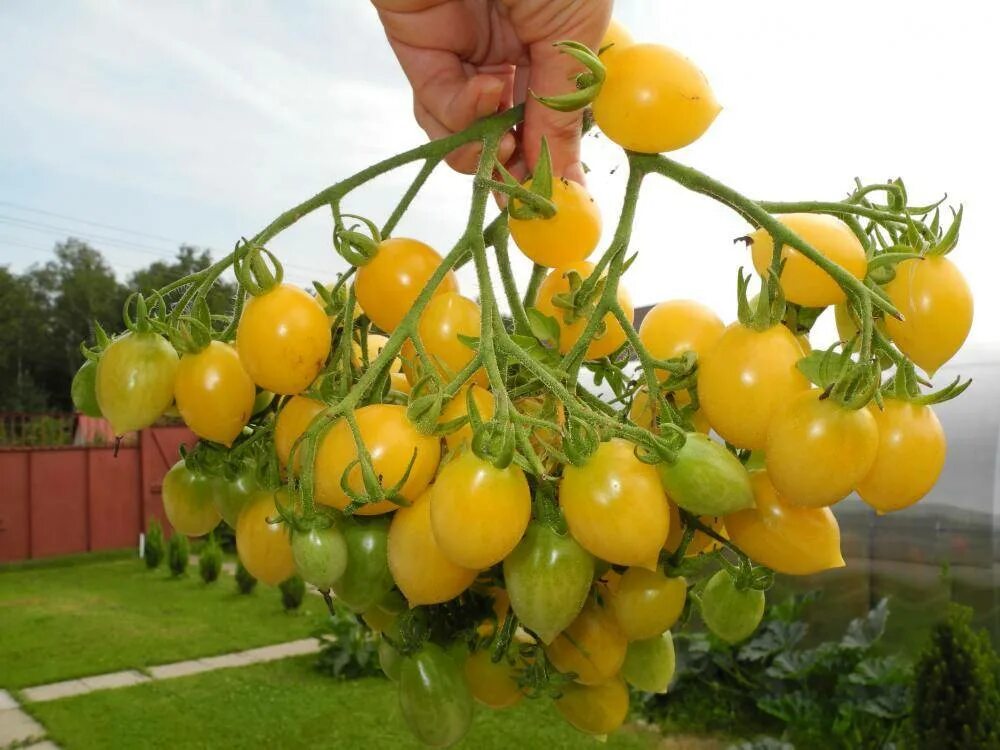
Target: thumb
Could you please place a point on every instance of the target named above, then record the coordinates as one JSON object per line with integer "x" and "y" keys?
{"x": 551, "y": 74}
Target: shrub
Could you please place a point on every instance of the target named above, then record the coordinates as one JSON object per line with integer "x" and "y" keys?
{"x": 837, "y": 695}
{"x": 210, "y": 560}
{"x": 178, "y": 552}
{"x": 349, "y": 650}
{"x": 153, "y": 550}
{"x": 292, "y": 592}
{"x": 244, "y": 581}
{"x": 956, "y": 702}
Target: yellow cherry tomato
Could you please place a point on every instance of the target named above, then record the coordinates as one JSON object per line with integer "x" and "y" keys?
{"x": 543, "y": 407}
{"x": 593, "y": 646}
{"x": 479, "y": 512}
{"x": 446, "y": 317}
{"x": 788, "y": 539}
{"x": 420, "y": 569}
{"x": 568, "y": 236}
{"x": 557, "y": 282}
{"x": 457, "y": 408}
{"x": 388, "y": 285}
{"x": 910, "y": 457}
{"x": 802, "y": 281}
{"x": 677, "y": 326}
{"x": 594, "y": 709}
{"x": 376, "y": 343}
{"x": 700, "y": 542}
{"x": 817, "y": 450}
{"x": 264, "y": 547}
{"x": 653, "y": 99}
{"x": 493, "y": 684}
{"x": 293, "y": 419}
{"x": 283, "y": 339}
{"x": 399, "y": 382}
{"x": 214, "y": 394}
{"x": 616, "y": 38}
{"x": 646, "y": 602}
{"x": 615, "y": 505}
{"x": 392, "y": 442}
{"x": 936, "y": 305}
{"x": 745, "y": 378}
{"x": 641, "y": 413}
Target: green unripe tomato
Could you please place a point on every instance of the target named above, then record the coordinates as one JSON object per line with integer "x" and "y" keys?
{"x": 706, "y": 479}
{"x": 320, "y": 556}
{"x": 84, "y": 389}
{"x": 728, "y": 612}
{"x": 649, "y": 664}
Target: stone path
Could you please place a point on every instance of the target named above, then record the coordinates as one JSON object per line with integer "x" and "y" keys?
{"x": 19, "y": 729}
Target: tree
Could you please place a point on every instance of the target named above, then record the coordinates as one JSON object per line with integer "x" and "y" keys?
{"x": 77, "y": 288}
{"x": 24, "y": 313}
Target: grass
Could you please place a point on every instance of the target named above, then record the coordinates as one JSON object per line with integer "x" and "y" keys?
{"x": 287, "y": 704}
{"x": 61, "y": 622}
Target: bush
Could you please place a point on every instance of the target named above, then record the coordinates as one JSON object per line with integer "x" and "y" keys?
{"x": 956, "y": 702}
{"x": 292, "y": 592}
{"x": 349, "y": 650}
{"x": 210, "y": 560}
{"x": 837, "y": 695}
{"x": 153, "y": 550}
{"x": 244, "y": 581}
{"x": 178, "y": 552}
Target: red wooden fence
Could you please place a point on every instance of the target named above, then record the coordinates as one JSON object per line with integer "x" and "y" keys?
{"x": 59, "y": 501}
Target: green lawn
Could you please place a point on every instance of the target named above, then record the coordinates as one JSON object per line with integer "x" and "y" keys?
{"x": 60, "y": 622}
{"x": 287, "y": 704}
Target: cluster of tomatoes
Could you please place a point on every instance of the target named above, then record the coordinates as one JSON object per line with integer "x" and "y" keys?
{"x": 361, "y": 438}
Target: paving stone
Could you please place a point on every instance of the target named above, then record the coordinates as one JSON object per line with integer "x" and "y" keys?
{"x": 225, "y": 661}
{"x": 282, "y": 650}
{"x": 111, "y": 680}
{"x": 16, "y": 727}
{"x": 52, "y": 691}
{"x": 178, "y": 669}
{"x": 6, "y": 701}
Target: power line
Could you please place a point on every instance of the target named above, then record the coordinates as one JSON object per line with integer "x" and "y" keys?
{"x": 78, "y": 220}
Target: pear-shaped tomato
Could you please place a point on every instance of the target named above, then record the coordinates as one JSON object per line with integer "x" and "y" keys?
{"x": 731, "y": 613}
{"x": 434, "y": 696}
{"x": 479, "y": 512}
{"x": 784, "y": 537}
{"x": 706, "y": 478}
{"x": 188, "y": 500}
{"x": 649, "y": 664}
{"x": 135, "y": 380}
{"x": 366, "y": 579}
{"x": 592, "y": 647}
{"x": 548, "y": 576}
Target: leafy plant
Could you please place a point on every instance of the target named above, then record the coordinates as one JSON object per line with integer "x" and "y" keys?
{"x": 153, "y": 549}
{"x": 956, "y": 702}
{"x": 837, "y": 695}
{"x": 210, "y": 560}
{"x": 349, "y": 650}
{"x": 244, "y": 581}
{"x": 293, "y": 590}
{"x": 178, "y": 552}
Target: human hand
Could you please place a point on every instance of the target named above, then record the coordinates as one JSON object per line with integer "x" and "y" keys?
{"x": 467, "y": 59}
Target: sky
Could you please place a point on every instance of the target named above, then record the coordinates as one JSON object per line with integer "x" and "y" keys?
{"x": 142, "y": 126}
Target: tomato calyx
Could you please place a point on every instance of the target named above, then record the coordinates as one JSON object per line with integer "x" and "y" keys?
{"x": 768, "y": 309}
{"x": 530, "y": 202}
{"x": 588, "y": 83}
{"x": 357, "y": 248}
{"x": 905, "y": 384}
{"x": 251, "y": 268}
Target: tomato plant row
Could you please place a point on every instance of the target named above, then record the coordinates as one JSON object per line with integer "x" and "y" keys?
{"x": 440, "y": 468}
